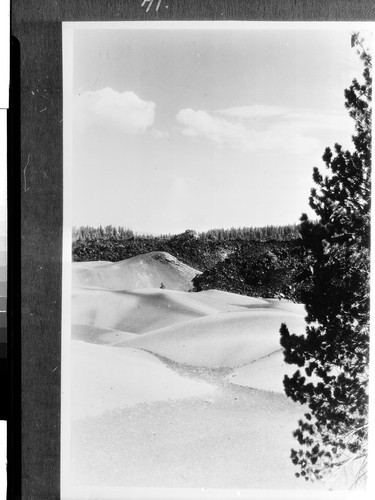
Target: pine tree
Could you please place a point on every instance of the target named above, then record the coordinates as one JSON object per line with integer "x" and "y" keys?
{"x": 333, "y": 354}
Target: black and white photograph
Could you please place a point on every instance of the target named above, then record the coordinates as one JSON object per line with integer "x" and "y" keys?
{"x": 216, "y": 259}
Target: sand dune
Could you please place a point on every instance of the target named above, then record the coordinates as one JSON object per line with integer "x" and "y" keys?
{"x": 206, "y": 329}
{"x": 132, "y": 311}
{"x": 287, "y": 305}
{"x": 233, "y": 439}
{"x": 150, "y": 408}
{"x": 266, "y": 373}
{"x": 220, "y": 340}
{"x": 145, "y": 310}
{"x": 107, "y": 378}
{"x": 90, "y": 264}
{"x": 98, "y": 335}
{"x": 144, "y": 271}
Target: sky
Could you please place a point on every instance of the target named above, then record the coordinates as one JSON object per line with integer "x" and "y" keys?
{"x": 201, "y": 128}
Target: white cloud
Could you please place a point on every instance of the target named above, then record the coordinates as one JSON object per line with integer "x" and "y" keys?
{"x": 201, "y": 123}
{"x": 240, "y": 136}
{"x": 266, "y": 128}
{"x": 109, "y": 108}
{"x": 323, "y": 120}
{"x": 255, "y": 111}
{"x": 305, "y": 119}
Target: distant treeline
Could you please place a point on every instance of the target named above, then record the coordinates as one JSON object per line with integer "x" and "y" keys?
{"x": 264, "y": 233}
{"x": 259, "y": 261}
{"x": 199, "y": 250}
{"x": 112, "y": 244}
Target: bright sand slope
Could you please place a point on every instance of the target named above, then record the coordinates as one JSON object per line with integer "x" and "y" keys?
{"x": 141, "y": 311}
{"x": 206, "y": 329}
{"x": 143, "y": 271}
{"x": 266, "y": 373}
{"x": 137, "y": 423}
{"x": 99, "y": 335}
{"x": 107, "y": 378}
{"x": 140, "y": 420}
{"x": 220, "y": 340}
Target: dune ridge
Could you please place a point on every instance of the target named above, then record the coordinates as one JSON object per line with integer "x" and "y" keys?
{"x": 140, "y": 311}
{"x": 177, "y": 389}
{"x": 212, "y": 328}
{"x": 115, "y": 378}
{"x": 143, "y": 271}
{"x": 219, "y": 340}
